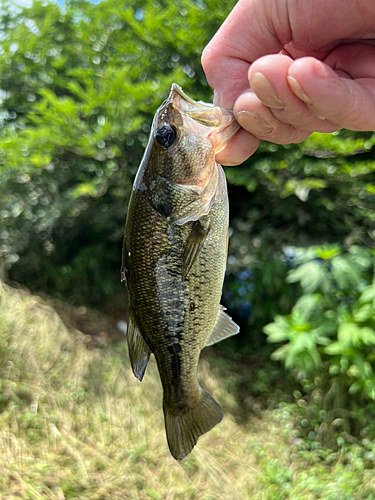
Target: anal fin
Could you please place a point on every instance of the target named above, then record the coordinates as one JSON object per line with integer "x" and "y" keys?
{"x": 139, "y": 352}
{"x": 224, "y": 327}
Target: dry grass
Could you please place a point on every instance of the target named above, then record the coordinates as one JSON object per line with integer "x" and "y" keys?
{"x": 75, "y": 423}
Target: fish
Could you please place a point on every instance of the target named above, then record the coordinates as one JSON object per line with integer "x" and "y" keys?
{"x": 174, "y": 259}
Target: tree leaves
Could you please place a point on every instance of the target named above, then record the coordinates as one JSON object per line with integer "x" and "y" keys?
{"x": 79, "y": 89}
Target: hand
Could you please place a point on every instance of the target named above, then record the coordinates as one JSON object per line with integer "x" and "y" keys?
{"x": 292, "y": 67}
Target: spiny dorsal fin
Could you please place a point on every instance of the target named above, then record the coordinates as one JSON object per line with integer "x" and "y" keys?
{"x": 193, "y": 246}
{"x": 139, "y": 352}
{"x": 224, "y": 327}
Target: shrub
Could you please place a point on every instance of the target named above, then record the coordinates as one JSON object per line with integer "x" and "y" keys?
{"x": 329, "y": 336}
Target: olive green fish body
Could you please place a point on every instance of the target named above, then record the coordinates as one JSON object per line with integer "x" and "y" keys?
{"x": 174, "y": 258}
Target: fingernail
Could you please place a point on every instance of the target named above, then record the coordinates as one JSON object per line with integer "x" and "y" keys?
{"x": 230, "y": 164}
{"x": 264, "y": 90}
{"x": 296, "y": 89}
{"x": 252, "y": 123}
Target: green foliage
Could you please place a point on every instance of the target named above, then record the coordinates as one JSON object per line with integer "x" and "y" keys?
{"x": 325, "y": 184}
{"x": 331, "y": 327}
{"x": 79, "y": 88}
{"x": 318, "y": 472}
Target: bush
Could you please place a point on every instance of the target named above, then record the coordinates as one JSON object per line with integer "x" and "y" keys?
{"x": 79, "y": 88}
{"x": 329, "y": 336}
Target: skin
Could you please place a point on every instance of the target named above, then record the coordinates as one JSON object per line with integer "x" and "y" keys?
{"x": 293, "y": 67}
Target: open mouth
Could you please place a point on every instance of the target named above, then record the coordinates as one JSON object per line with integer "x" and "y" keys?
{"x": 206, "y": 120}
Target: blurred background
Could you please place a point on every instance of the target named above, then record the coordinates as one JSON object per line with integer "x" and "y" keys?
{"x": 79, "y": 85}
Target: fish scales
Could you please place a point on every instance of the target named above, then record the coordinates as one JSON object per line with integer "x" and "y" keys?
{"x": 165, "y": 298}
{"x": 174, "y": 258}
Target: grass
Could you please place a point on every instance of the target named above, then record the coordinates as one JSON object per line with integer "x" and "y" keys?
{"x": 76, "y": 424}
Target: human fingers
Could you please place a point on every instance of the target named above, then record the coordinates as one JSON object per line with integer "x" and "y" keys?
{"x": 239, "y": 148}
{"x": 345, "y": 96}
{"x": 263, "y": 125}
{"x": 261, "y": 122}
{"x": 259, "y": 27}
{"x": 268, "y": 80}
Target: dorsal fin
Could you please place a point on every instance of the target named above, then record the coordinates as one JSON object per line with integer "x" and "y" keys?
{"x": 224, "y": 327}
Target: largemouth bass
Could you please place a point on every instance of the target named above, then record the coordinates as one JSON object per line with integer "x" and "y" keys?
{"x": 174, "y": 258}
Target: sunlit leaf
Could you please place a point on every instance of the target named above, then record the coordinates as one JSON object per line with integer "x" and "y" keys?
{"x": 311, "y": 276}
{"x": 363, "y": 314}
{"x": 368, "y": 295}
{"x": 344, "y": 272}
{"x": 349, "y": 334}
{"x": 277, "y": 331}
{"x": 305, "y": 307}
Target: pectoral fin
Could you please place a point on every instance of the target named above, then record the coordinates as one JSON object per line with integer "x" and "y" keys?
{"x": 193, "y": 246}
{"x": 224, "y": 327}
{"x": 139, "y": 352}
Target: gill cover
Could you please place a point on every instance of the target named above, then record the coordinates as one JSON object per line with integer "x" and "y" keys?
{"x": 184, "y": 139}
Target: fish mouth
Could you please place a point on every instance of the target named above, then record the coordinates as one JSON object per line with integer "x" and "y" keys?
{"x": 204, "y": 119}
{"x": 177, "y": 90}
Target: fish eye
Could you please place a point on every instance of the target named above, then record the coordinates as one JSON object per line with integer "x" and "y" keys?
{"x": 166, "y": 135}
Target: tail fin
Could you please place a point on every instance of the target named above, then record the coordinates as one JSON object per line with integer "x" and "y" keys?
{"x": 184, "y": 428}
